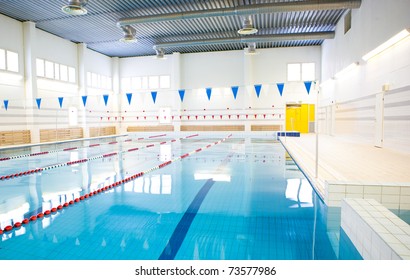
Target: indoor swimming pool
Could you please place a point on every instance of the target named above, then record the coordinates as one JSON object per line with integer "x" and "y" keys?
{"x": 150, "y": 197}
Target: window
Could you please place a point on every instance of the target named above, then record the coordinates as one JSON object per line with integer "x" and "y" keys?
{"x": 308, "y": 71}
{"x": 49, "y": 67}
{"x": 71, "y": 74}
{"x": 136, "y": 82}
{"x": 153, "y": 82}
{"x": 64, "y": 73}
{"x": 56, "y": 71}
{"x": 2, "y": 59}
{"x": 144, "y": 83}
{"x": 40, "y": 67}
{"x": 164, "y": 81}
{"x": 89, "y": 79}
{"x": 95, "y": 80}
{"x": 12, "y": 61}
{"x": 301, "y": 72}
{"x": 293, "y": 72}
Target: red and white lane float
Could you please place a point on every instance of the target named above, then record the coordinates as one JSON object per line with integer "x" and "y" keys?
{"x": 46, "y": 213}
{"x": 37, "y": 170}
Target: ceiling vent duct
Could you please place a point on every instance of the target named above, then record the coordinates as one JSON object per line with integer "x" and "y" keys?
{"x": 247, "y": 27}
{"x": 75, "y": 7}
{"x": 246, "y": 10}
{"x": 129, "y": 34}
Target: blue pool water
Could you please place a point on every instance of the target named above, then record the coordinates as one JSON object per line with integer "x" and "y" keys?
{"x": 241, "y": 199}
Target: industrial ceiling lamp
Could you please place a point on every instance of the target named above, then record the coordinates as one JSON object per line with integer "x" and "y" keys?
{"x": 251, "y": 49}
{"x": 247, "y": 27}
{"x": 129, "y": 34}
{"x": 160, "y": 53}
{"x": 75, "y": 7}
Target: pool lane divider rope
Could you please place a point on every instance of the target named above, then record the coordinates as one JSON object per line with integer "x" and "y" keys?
{"x": 47, "y": 213}
{"x": 41, "y": 169}
{"x": 74, "y": 148}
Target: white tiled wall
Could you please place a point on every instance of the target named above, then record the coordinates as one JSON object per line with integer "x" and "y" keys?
{"x": 377, "y": 233}
{"x": 392, "y": 196}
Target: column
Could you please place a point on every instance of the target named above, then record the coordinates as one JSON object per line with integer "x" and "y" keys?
{"x": 82, "y": 86}
{"x": 30, "y": 79}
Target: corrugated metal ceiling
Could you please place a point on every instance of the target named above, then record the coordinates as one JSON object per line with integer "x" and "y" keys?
{"x": 98, "y": 28}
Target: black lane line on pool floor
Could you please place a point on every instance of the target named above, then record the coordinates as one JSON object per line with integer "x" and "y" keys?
{"x": 178, "y": 236}
{"x": 181, "y": 230}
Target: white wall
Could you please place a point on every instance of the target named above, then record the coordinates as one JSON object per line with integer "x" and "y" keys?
{"x": 220, "y": 70}
{"x": 354, "y": 95}
{"x": 12, "y": 84}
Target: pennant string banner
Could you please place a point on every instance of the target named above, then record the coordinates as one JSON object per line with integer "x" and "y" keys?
{"x": 208, "y": 93}
{"x": 258, "y": 90}
{"x": 235, "y": 91}
{"x": 154, "y": 96}
{"x": 280, "y": 88}
{"x": 308, "y": 86}
{"x": 129, "y": 97}
{"x": 60, "y": 101}
{"x": 105, "y": 96}
{"x": 181, "y": 94}
{"x": 84, "y": 97}
{"x": 6, "y": 104}
{"x": 38, "y": 101}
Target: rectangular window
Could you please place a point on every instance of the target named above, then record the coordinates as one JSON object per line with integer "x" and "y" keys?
{"x": 294, "y": 72}
{"x": 308, "y": 72}
{"x": 104, "y": 82}
{"x": 153, "y": 82}
{"x": 40, "y": 67}
{"x": 49, "y": 66}
{"x": 94, "y": 79}
{"x": 164, "y": 81}
{"x": 109, "y": 83}
{"x": 12, "y": 61}
{"x": 64, "y": 73}
{"x": 144, "y": 83}
{"x": 71, "y": 74}
{"x": 126, "y": 83}
{"x": 56, "y": 71}
{"x": 89, "y": 79}
{"x": 136, "y": 82}
{"x": 2, "y": 59}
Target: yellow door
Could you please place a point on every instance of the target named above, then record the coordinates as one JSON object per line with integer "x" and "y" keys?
{"x": 293, "y": 116}
{"x": 298, "y": 117}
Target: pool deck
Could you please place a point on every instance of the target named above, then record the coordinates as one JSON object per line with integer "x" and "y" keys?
{"x": 341, "y": 160}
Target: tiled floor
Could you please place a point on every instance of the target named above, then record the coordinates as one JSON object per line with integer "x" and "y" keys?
{"x": 347, "y": 161}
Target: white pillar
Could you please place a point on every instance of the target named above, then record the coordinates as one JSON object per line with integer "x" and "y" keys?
{"x": 117, "y": 94}
{"x": 30, "y": 79}
{"x": 176, "y": 84}
{"x": 82, "y": 86}
{"x": 248, "y": 80}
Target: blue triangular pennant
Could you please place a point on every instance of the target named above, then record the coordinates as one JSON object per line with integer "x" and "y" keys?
{"x": 154, "y": 96}
{"x": 38, "y": 100}
{"x": 208, "y": 93}
{"x": 105, "y": 96}
{"x": 235, "y": 91}
{"x": 181, "y": 94}
{"x": 258, "y": 90}
{"x": 6, "y": 104}
{"x": 129, "y": 97}
{"x": 60, "y": 101}
{"x": 308, "y": 85}
{"x": 280, "y": 88}
{"x": 84, "y": 97}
